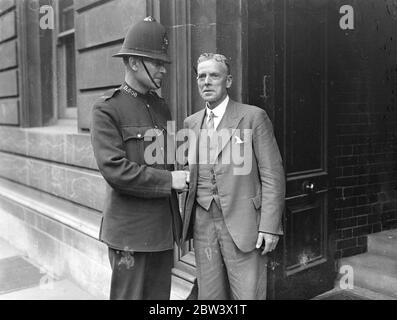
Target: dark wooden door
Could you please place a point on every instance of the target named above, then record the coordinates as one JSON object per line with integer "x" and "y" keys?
{"x": 288, "y": 78}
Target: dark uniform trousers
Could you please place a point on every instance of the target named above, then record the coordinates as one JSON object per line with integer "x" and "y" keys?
{"x": 140, "y": 275}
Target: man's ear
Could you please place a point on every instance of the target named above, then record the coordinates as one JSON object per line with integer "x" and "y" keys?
{"x": 229, "y": 81}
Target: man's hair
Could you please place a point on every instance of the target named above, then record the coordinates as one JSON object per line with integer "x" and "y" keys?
{"x": 217, "y": 57}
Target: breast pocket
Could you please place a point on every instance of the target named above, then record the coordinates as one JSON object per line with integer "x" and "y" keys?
{"x": 135, "y": 142}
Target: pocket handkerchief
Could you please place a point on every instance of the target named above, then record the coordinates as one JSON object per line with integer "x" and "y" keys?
{"x": 238, "y": 140}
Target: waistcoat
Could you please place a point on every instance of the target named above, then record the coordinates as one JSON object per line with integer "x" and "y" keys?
{"x": 207, "y": 189}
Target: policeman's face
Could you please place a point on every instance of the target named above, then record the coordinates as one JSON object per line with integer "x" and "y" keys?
{"x": 156, "y": 69}
{"x": 213, "y": 81}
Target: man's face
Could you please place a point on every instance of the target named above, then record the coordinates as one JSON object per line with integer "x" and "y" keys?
{"x": 156, "y": 69}
{"x": 213, "y": 81}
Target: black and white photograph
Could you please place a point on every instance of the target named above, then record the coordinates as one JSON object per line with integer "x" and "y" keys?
{"x": 194, "y": 153}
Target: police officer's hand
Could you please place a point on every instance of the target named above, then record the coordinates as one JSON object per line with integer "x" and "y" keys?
{"x": 179, "y": 180}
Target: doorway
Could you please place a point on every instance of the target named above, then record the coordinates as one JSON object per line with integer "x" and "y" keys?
{"x": 287, "y": 68}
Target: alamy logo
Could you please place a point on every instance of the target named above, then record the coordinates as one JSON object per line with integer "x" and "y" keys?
{"x": 347, "y": 279}
{"x": 347, "y": 20}
{"x": 224, "y": 146}
{"x": 46, "y": 17}
{"x": 46, "y": 14}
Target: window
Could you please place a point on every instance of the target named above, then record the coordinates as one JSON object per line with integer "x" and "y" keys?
{"x": 66, "y": 61}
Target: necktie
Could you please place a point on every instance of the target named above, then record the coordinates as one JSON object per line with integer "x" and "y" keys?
{"x": 210, "y": 121}
{"x": 211, "y": 137}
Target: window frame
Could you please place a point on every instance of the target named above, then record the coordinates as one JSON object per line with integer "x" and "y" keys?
{"x": 64, "y": 111}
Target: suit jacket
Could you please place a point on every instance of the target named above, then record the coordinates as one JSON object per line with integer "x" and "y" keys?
{"x": 252, "y": 199}
{"x": 141, "y": 210}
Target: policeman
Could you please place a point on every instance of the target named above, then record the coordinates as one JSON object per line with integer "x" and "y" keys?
{"x": 141, "y": 219}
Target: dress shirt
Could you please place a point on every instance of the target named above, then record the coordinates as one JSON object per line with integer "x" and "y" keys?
{"x": 218, "y": 111}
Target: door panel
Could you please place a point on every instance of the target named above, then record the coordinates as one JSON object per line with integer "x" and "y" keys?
{"x": 305, "y": 44}
{"x": 305, "y": 237}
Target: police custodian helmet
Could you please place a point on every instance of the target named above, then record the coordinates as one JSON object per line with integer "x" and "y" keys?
{"x": 147, "y": 38}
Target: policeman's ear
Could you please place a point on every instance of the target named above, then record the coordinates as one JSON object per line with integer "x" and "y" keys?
{"x": 132, "y": 62}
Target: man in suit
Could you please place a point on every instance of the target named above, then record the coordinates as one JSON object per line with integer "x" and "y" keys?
{"x": 234, "y": 206}
{"x": 141, "y": 218}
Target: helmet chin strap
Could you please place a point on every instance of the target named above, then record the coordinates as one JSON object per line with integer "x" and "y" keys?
{"x": 149, "y": 75}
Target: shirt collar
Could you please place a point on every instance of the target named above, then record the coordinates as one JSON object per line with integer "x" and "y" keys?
{"x": 220, "y": 109}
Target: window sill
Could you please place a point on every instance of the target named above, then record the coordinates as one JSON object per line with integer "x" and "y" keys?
{"x": 65, "y": 126}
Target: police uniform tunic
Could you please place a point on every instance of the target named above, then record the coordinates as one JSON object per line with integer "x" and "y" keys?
{"x": 141, "y": 210}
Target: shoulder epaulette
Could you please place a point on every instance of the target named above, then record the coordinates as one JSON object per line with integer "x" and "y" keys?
{"x": 109, "y": 94}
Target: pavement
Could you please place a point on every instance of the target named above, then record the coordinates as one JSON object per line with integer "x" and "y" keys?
{"x": 22, "y": 279}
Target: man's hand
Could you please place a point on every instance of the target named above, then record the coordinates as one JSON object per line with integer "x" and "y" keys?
{"x": 180, "y": 180}
{"x": 271, "y": 241}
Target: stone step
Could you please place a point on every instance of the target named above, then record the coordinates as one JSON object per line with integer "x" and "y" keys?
{"x": 383, "y": 243}
{"x": 59, "y": 236}
{"x": 374, "y": 272}
{"x": 356, "y": 293}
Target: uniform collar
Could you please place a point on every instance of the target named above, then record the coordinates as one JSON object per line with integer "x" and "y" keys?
{"x": 127, "y": 89}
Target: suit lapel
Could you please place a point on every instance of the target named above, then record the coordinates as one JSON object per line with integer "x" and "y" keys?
{"x": 193, "y": 157}
{"x": 194, "y": 142}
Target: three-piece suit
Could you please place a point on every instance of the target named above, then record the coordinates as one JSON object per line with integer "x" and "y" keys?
{"x": 228, "y": 205}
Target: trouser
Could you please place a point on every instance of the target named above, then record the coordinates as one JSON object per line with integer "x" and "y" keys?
{"x": 140, "y": 275}
{"x": 224, "y": 271}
